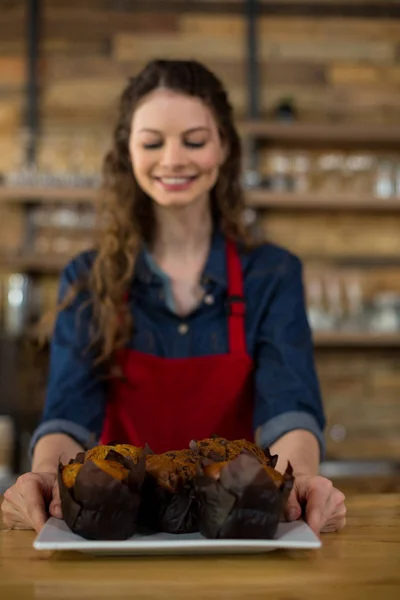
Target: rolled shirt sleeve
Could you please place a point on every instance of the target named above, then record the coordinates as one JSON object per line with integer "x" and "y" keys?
{"x": 287, "y": 393}
{"x": 76, "y": 392}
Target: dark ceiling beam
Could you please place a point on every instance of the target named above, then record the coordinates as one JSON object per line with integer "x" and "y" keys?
{"x": 32, "y": 88}
{"x": 253, "y": 81}
{"x": 380, "y": 9}
{"x": 253, "y": 84}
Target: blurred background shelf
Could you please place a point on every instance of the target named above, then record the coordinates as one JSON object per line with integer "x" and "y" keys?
{"x": 259, "y": 198}
{"x": 324, "y": 133}
{"x": 342, "y": 339}
{"x": 255, "y": 198}
{"x": 53, "y": 263}
{"x": 31, "y": 263}
{"x": 21, "y": 195}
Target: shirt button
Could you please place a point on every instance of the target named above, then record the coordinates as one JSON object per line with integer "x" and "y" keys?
{"x": 209, "y": 299}
{"x": 183, "y": 328}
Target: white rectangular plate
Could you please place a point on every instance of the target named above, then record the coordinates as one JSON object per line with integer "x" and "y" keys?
{"x": 56, "y": 536}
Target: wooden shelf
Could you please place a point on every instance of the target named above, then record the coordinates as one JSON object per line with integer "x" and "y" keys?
{"x": 322, "y": 132}
{"x": 352, "y": 260}
{"x": 39, "y": 194}
{"x": 256, "y": 198}
{"x": 341, "y": 339}
{"x": 259, "y": 198}
{"x": 34, "y": 263}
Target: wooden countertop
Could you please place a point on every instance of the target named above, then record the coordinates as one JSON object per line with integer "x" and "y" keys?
{"x": 360, "y": 562}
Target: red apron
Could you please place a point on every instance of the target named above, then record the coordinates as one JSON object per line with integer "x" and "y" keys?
{"x": 167, "y": 402}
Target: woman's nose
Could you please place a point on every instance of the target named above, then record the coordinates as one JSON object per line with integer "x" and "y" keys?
{"x": 174, "y": 155}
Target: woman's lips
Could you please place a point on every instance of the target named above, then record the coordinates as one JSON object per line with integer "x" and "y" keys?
{"x": 175, "y": 184}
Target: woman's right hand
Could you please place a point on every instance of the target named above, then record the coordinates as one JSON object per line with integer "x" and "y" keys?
{"x": 27, "y": 503}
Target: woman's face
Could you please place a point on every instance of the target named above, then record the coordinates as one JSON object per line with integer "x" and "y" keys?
{"x": 175, "y": 148}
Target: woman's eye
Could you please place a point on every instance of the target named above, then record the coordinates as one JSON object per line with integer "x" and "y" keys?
{"x": 195, "y": 144}
{"x": 152, "y": 146}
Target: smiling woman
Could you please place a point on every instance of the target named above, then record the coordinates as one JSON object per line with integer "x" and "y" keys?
{"x": 178, "y": 326}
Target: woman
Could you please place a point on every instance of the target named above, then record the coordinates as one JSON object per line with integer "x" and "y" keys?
{"x": 179, "y": 327}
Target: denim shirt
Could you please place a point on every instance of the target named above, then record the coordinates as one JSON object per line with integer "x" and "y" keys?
{"x": 278, "y": 337}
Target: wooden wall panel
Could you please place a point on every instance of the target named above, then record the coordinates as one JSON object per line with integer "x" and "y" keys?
{"x": 12, "y": 71}
{"x": 334, "y": 68}
{"x": 361, "y": 394}
{"x": 296, "y": 29}
{"x": 12, "y": 18}
{"x": 12, "y": 85}
{"x": 149, "y": 46}
{"x": 205, "y": 46}
{"x": 66, "y": 68}
{"x": 83, "y": 93}
{"x": 10, "y": 151}
{"x": 12, "y": 229}
{"x": 335, "y": 234}
{"x": 353, "y": 74}
{"x": 10, "y": 112}
{"x": 81, "y": 23}
{"x": 68, "y": 46}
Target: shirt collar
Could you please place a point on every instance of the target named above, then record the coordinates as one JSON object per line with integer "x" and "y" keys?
{"x": 215, "y": 268}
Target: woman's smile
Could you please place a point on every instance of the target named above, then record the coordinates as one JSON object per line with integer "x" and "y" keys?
{"x": 176, "y": 184}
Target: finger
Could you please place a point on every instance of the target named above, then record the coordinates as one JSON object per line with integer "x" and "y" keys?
{"x": 7, "y": 521}
{"x": 339, "y": 512}
{"x": 317, "y": 500}
{"x": 16, "y": 506}
{"x": 34, "y": 504}
{"x": 7, "y": 513}
{"x": 338, "y": 499}
{"x": 11, "y": 517}
{"x": 55, "y": 504}
{"x": 9, "y": 497}
{"x": 334, "y": 525}
{"x": 9, "y": 507}
{"x": 335, "y": 507}
{"x": 337, "y": 519}
{"x": 293, "y": 508}
{"x": 55, "y": 509}
{"x": 56, "y": 494}
{"x": 337, "y": 515}
{"x": 37, "y": 514}
{"x": 17, "y": 524}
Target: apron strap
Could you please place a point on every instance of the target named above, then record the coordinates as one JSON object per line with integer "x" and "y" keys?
{"x": 235, "y": 301}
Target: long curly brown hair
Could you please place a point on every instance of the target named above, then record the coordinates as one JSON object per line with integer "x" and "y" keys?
{"x": 127, "y": 213}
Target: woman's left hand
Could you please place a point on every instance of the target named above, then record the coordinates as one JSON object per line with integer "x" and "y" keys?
{"x": 323, "y": 505}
